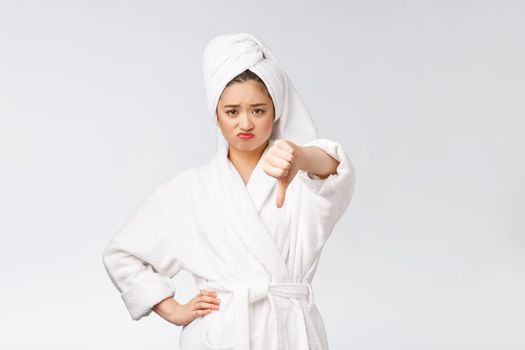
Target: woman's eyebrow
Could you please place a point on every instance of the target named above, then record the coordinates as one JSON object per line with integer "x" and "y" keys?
{"x": 252, "y": 105}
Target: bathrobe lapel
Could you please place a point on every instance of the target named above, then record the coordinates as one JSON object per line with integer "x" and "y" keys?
{"x": 260, "y": 184}
{"x": 240, "y": 207}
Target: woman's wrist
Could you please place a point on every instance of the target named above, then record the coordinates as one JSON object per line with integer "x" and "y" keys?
{"x": 300, "y": 158}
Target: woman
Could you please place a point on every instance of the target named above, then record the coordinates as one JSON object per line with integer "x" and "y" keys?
{"x": 249, "y": 225}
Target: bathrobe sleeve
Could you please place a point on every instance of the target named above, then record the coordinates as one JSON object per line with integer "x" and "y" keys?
{"x": 139, "y": 258}
{"x": 330, "y": 196}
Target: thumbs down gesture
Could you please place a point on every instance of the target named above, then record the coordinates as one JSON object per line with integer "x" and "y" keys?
{"x": 284, "y": 159}
{"x": 281, "y": 162}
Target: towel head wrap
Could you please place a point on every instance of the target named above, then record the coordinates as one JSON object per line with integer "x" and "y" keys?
{"x": 228, "y": 55}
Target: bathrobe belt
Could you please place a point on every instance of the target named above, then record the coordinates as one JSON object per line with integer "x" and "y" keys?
{"x": 244, "y": 295}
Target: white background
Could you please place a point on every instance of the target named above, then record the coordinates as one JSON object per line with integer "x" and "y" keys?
{"x": 100, "y": 101}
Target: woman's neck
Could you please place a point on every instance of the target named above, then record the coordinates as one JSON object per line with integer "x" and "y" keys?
{"x": 245, "y": 161}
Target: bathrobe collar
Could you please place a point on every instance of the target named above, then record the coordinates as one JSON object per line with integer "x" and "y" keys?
{"x": 260, "y": 184}
{"x": 240, "y": 206}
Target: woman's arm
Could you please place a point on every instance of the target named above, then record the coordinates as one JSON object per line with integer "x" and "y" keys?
{"x": 166, "y": 308}
{"x": 316, "y": 162}
{"x": 140, "y": 258}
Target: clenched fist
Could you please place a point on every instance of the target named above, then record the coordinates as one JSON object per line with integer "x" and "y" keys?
{"x": 281, "y": 162}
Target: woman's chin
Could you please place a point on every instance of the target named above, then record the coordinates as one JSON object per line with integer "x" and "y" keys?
{"x": 247, "y": 145}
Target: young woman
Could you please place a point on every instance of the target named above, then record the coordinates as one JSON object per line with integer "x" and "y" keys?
{"x": 249, "y": 225}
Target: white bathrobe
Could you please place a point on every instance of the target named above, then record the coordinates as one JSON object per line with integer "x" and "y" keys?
{"x": 233, "y": 239}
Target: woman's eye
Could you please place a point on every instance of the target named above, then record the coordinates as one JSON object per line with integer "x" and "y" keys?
{"x": 231, "y": 112}
{"x": 258, "y": 110}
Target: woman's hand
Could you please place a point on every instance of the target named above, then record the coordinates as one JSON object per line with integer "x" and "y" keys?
{"x": 182, "y": 314}
{"x": 284, "y": 159}
{"x": 281, "y": 162}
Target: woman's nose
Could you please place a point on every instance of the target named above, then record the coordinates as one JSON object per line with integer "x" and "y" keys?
{"x": 245, "y": 122}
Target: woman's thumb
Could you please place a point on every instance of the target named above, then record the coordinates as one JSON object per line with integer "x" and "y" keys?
{"x": 281, "y": 192}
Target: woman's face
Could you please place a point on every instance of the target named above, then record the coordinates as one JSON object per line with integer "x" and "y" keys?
{"x": 245, "y": 108}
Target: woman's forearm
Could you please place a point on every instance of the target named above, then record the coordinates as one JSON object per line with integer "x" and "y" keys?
{"x": 316, "y": 161}
{"x": 166, "y": 308}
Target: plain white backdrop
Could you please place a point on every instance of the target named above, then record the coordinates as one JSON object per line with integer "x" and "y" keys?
{"x": 100, "y": 101}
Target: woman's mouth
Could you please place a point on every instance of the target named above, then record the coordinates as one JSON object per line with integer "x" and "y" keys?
{"x": 245, "y": 135}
